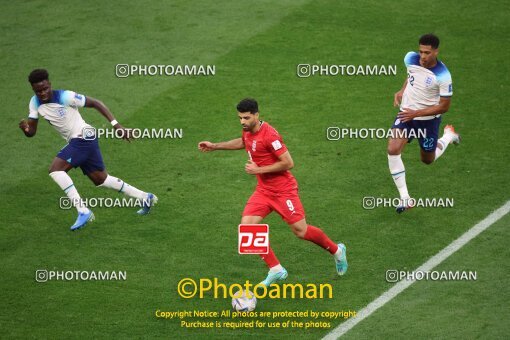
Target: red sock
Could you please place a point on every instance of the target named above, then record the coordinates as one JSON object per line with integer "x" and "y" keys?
{"x": 317, "y": 236}
{"x": 270, "y": 258}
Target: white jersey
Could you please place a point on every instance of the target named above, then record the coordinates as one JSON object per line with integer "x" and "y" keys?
{"x": 425, "y": 85}
{"x": 61, "y": 112}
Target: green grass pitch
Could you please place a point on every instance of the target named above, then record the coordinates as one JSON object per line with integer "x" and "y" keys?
{"x": 192, "y": 232}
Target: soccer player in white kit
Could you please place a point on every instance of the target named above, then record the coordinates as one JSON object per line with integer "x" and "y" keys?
{"x": 425, "y": 96}
{"x": 60, "y": 109}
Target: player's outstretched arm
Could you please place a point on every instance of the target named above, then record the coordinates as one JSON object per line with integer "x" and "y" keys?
{"x": 103, "y": 109}
{"x": 234, "y": 144}
{"x": 29, "y": 127}
{"x": 285, "y": 162}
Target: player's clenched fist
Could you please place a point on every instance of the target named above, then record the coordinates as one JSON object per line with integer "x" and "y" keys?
{"x": 124, "y": 132}
{"x": 206, "y": 146}
{"x": 251, "y": 167}
{"x": 23, "y": 125}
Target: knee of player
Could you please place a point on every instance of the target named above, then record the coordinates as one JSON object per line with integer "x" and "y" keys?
{"x": 98, "y": 179}
{"x": 427, "y": 161}
{"x": 393, "y": 151}
{"x": 98, "y": 182}
{"x": 51, "y": 170}
{"x": 299, "y": 233}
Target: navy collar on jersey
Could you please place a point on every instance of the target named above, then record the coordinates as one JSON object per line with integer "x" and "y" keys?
{"x": 438, "y": 68}
{"x": 55, "y": 98}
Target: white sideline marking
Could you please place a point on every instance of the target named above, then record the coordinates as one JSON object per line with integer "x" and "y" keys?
{"x": 398, "y": 288}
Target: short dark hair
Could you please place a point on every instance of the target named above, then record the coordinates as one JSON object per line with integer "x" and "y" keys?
{"x": 38, "y": 75}
{"x": 429, "y": 40}
{"x": 248, "y": 105}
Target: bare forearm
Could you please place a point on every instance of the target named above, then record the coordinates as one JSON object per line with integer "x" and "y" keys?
{"x": 284, "y": 162}
{"x": 104, "y": 111}
{"x": 276, "y": 167}
{"x": 99, "y": 106}
{"x": 235, "y": 144}
{"x": 432, "y": 110}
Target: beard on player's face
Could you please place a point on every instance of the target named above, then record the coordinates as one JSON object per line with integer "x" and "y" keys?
{"x": 248, "y": 126}
{"x": 248, "y": 122}
{"x": 253, "y": 124}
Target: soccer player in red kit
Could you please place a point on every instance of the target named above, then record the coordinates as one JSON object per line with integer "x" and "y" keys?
{"x": 277, "y": 189}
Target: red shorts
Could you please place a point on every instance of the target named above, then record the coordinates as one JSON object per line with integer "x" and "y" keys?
{"x": 287, "y": 205}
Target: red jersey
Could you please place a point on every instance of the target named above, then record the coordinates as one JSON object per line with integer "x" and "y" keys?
{"x": 264, "y": 147}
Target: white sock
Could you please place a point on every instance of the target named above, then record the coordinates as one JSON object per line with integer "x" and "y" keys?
{"x": 119, "y": 185}
{"x": 444, "y": 142}
{"x": 276, "y": 269}
{"x": 338, "y": 254}
{"x": 66, "y": 183}
{"x": 398, "y": 172}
